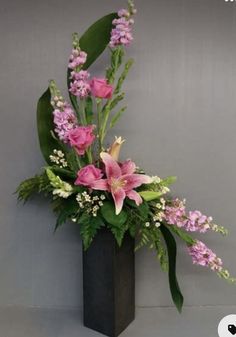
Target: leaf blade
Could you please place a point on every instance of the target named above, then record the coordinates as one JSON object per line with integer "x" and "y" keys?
{"x": 172, "y": 252}
{"x": 96, "y": 38}
{"x": 45, "y": 126}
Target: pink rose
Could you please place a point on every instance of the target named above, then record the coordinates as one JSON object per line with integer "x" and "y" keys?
{"x": 87, "y": 175}
{"x": 81, "y": 138}
{"x": 100, "y": 88}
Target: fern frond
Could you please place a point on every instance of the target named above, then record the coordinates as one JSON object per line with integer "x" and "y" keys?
{"x": 31, "y": 186}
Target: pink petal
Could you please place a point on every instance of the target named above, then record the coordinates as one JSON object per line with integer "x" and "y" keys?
{"x": 128, "y": 167}
{"x": 133, "y": 195}
{"x": 111, "y": 166}
{"x": 100, "y": 185}
{"x": 118, "y": 196}
{"x": 135, "y": 180}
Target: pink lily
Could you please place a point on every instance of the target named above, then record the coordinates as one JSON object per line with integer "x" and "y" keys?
{"x": 121, "y": 181}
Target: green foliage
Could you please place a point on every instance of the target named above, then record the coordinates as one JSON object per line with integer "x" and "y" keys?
{"x": 144, "y": 239}
{"x": 161, "y": 253}
{"x": 117, "y": 55}
{"x": 150, "y": 195}
{"x": 117, "y": 116}
{"x": 72, "y": 161}
{"x": 118, "y": 232}
{"x": 88, "y": 228}
{"x": 123, "y": 76}
{"x": 69, "y": 209}
{"x": 141, "y": 211}
{"x": 112, "y": 104}
{"x": 96, "y": 38}
{"x": 172, "y": 252}
{"x": 89, "y": 110}
{"x": 45, "y": 125}
{"x": 183, "y": 235}
{"x": 108, "y": 213}
{"x": 31, "y": 186}
{"x": 168, "y": 181}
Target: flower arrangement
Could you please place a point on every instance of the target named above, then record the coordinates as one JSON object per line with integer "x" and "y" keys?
{"x": 87, "y": 182}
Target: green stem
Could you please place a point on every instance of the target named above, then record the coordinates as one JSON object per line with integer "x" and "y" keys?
{"x": 105, "y": 121}
{"x": 77, "y": 159}
{"x": 99, "y": 123}
{"x": 89, "y": 155}
{"x": 82, "y": 111}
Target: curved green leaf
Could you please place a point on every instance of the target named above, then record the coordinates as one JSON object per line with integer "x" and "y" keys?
{"x": 45, "y": 126}
{"x": 108, "y": 213}
{"x": 96, "y": 38}
{"x": 150, "y": 195}
{"x": 172, "y": 251}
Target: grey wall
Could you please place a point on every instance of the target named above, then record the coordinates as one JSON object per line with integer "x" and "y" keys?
{"x": 181, "y": 120}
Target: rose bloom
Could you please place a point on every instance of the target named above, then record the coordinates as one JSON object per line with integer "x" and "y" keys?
{"x": 100, "y": 88}
{"x": 87, "y": 175}
{"x": 81, "y": 138}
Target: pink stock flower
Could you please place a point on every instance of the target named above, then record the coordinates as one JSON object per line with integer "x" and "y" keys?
{"x": 174, "y": 214}
{"x": 194, "y": 221}
{"x": 81, "y": 138}
{"x": 121, "y": 181}
{"x": 100, "y": 88}
{"x": 80, "y": 75}
{"x": 64, "y": 120}
{"x": 197, "y": 222}
{"x": 88, "y": 175}
{"x": 77, "y": 59}
{"x": 204, "y": 256}
{"x": 80, "y": 88}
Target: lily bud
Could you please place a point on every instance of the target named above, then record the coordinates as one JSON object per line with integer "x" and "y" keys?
{"x": 114, "y": 150}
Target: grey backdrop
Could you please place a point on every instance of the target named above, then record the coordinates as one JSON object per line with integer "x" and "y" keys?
{"x": 181, "y": 121}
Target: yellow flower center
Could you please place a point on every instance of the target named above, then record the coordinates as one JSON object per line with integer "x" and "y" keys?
{"x": 117, "y": 183}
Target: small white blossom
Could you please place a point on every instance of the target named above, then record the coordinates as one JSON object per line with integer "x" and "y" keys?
{"x": 58, "y": 158}
{"x": 156, "y": 179}
{"x": 157, "y": 224}
{"x": 165, "y": 190}
{"x": 147, "y": 224}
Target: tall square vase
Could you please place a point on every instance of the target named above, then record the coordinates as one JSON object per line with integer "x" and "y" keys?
{"x": 109, "y": 284}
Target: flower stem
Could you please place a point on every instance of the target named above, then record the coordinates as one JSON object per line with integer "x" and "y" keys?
{"x": 82, "y": 112}
{"x": 99, "y": 126}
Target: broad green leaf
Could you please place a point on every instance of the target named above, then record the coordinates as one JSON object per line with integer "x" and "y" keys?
{"x": 45, "y": 126}
{"x": 168, "y": 181}
{"x": 96, "y": 38}
{"x": 150, "y": 195}
{"x": 172, "y": 252}
{"x": 64, "y": 173}
{"x": 108, "y": 213}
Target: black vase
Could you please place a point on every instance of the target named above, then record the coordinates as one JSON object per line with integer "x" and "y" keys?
{"x": 109, "y": 284}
